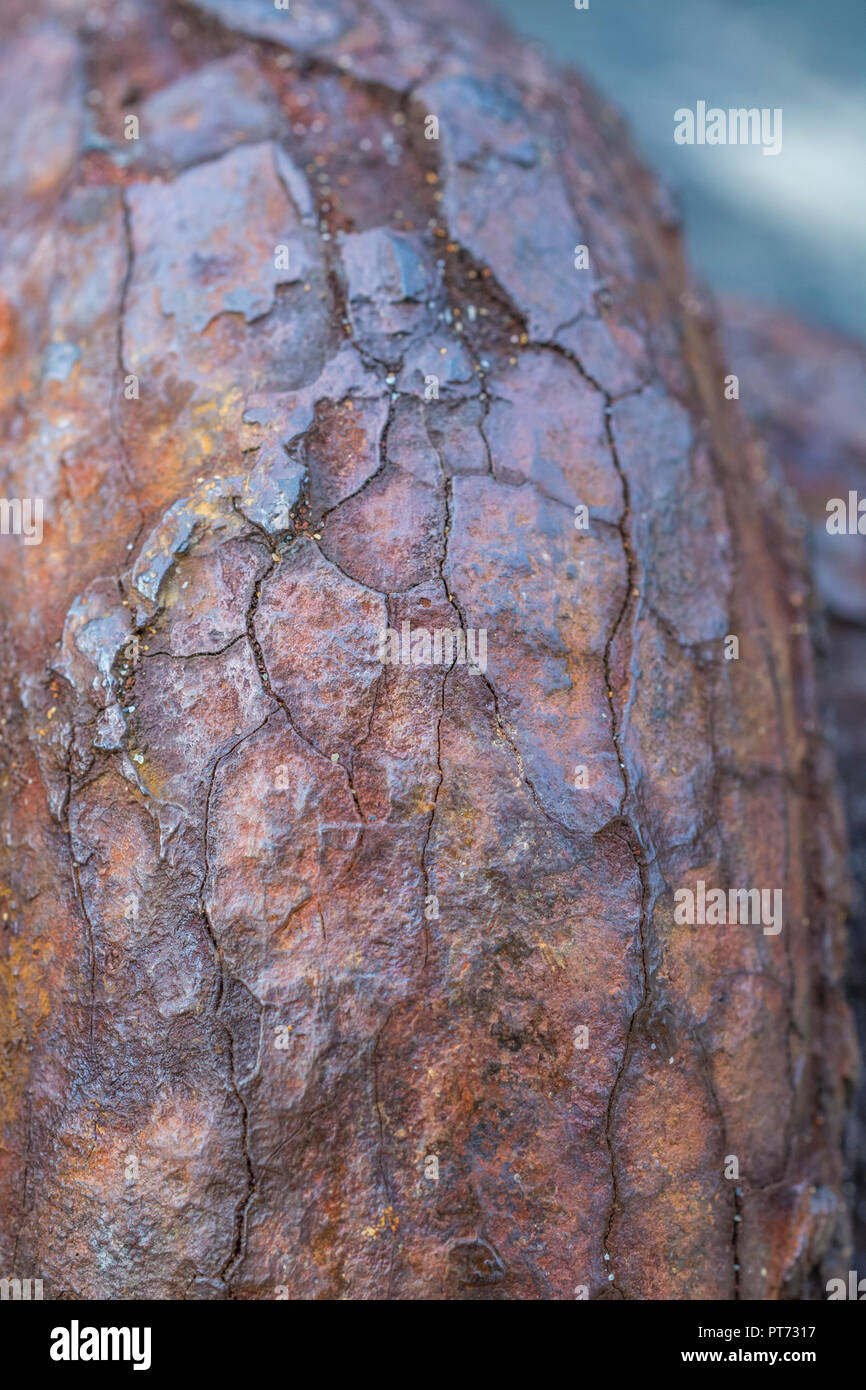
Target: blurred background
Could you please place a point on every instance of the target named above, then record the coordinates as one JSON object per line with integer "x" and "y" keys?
{"x": 786, "y": 231}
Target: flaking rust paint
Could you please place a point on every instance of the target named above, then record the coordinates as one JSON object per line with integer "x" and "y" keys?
{"x": 232, "y": 824}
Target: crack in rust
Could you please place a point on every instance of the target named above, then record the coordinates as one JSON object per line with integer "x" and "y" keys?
{"x": 633, "y": 838}
{"x": 238, "y": 1240}
{"x": 120, "y": 366}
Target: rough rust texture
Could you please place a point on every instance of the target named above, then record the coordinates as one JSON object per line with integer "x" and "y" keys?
{"x": 805, "y": 389}
{"x": 223, "y": 815}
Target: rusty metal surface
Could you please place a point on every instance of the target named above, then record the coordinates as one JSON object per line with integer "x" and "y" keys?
{"x": 298, "y": 944}
{"x": 805, "y": 389}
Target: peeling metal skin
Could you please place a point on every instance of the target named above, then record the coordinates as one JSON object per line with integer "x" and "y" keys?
{"x": 234, "y": 1034}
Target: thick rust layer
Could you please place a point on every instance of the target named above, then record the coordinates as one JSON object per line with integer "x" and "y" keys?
{"x": 299, "y": 947}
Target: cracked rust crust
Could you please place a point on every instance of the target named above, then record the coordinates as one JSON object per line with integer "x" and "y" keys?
{"x": 234, "y": 1039}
